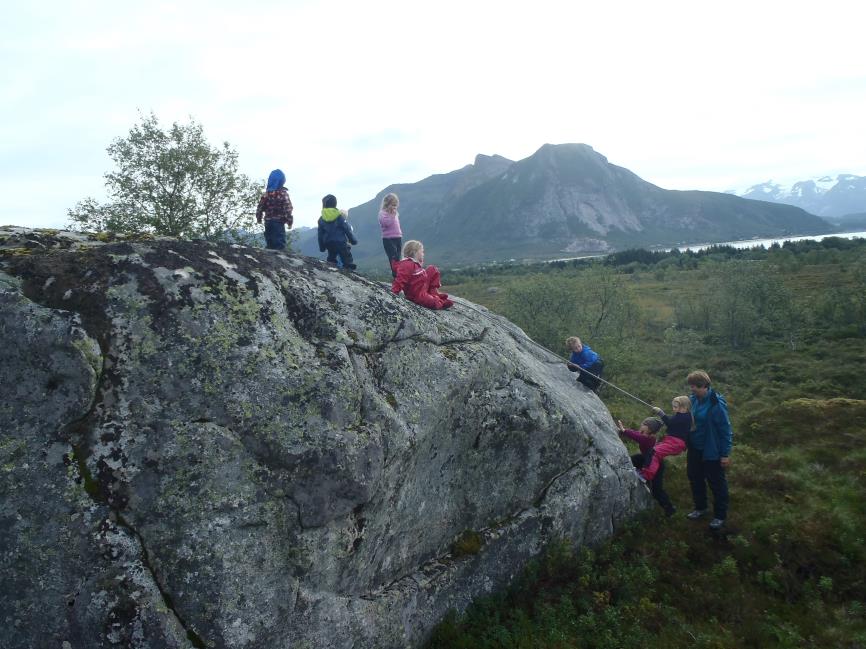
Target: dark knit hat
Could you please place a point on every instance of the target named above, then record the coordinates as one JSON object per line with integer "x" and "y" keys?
{"x": 653, "y": 423}
{"x": 329, "y": 201}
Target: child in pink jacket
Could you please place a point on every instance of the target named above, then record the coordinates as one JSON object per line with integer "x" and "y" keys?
{"x": 392, "y": 235}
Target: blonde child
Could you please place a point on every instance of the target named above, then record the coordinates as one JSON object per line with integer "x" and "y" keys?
{"x": 678, "y": 426}
{"x": 586, "y": 362}
{"x": 392, "y": 235}
{"x": 418, "y": 283}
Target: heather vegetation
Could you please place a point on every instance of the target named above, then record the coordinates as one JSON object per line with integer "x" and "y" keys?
{"x": 782, "y": 332}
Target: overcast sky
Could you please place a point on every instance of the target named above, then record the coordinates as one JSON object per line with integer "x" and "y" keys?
{"x": 349, "y": 97}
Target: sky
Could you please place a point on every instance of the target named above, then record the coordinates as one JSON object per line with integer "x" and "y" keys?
{"x": 350, "y": 97}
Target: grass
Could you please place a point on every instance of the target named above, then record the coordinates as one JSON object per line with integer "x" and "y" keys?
{"x": 789, "y": 570}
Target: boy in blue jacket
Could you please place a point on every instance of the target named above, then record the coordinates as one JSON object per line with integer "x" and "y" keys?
{"x": 335, "y": 233}
{"x": 583, "y": 358}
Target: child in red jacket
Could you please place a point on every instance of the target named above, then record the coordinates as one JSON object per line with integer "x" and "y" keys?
{"x": 418, "y": 283}
{"x": 679, "y": 425}
{"x": 645, "y": 437}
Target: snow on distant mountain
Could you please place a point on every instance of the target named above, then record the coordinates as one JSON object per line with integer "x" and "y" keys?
{"x": 825, "y": 195}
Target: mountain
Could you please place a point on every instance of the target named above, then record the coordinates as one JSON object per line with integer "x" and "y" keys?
{"x": 564, "y": 200}
{"x": 824, "y": 196}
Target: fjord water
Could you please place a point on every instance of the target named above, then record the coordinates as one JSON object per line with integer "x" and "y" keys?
{"x": 754, "y": 243}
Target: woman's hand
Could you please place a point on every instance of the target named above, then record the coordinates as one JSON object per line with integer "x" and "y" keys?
{"x": 725, "y": 462}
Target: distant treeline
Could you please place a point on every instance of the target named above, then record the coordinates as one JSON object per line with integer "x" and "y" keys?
{"x": 689, "y": 258}
{"x": 634, "y": 259}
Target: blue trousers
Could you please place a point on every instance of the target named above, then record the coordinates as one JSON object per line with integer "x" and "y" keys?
{"x": 702, "y": 472}
{"x": 275, "y": 234}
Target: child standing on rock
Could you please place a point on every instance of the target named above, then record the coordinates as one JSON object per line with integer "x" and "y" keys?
{"x": 418, "y": 283}
{"x": 276, "y": 208}
{"x": 335, "y": 233}
{"x": 645, "y": 437}
{"x": 392, "y": 235}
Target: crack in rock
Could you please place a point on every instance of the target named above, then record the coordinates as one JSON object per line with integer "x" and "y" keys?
{"x": 421, "y": 336}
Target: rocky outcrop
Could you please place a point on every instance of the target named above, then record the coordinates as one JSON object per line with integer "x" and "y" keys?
{"x": 217, "y": 446}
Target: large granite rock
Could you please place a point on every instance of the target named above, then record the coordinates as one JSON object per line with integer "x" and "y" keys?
{"x": 217, "y": 446}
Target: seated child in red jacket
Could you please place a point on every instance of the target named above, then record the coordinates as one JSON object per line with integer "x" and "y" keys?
{"x": 418, "y": 283}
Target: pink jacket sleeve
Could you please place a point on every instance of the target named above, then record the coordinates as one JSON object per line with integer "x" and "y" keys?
{"x": 644, "y": 442}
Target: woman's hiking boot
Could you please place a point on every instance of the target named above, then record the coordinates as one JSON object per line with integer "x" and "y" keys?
{"x": 696, "y": 514}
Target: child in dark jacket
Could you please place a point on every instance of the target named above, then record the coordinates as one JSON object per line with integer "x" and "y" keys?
{"x": 335, "y": 233}
{"x": 645, "y": 437}
{"x": 276, "y": 207}
{"x": 418, "y": 283}
{"x": 679, "y": 424}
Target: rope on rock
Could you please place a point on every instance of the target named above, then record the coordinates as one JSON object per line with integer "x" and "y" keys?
{"x": 598, "y": 378}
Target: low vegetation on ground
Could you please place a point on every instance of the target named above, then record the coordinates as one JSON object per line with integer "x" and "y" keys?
{"x": 782, "y": 333}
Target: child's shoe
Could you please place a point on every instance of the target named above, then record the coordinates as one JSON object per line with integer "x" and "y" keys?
{"x": 716, "y": 524}
{"x": 696, "y": 514}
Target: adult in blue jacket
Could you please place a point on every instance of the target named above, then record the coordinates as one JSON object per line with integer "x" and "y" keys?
{"x": 709, "y": 449}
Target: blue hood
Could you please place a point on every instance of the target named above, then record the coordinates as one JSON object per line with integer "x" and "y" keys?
{"x": 276, "y": 180}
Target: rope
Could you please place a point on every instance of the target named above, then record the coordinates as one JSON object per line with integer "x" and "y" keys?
{"x": 583, "y": 371}
{"x": 629, "y": 394}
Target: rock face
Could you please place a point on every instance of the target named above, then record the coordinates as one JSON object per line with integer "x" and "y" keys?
{"x": 217, "y": 446}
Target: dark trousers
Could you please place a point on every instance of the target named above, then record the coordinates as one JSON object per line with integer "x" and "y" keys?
{"x": 702, "y": 472}
{"x": 590, "y": 381}
{"x": 393, "y": 248}
{"x": 343, "y": 251}
{"x": 275, "y": 234}
{"x": 657, "y": 484}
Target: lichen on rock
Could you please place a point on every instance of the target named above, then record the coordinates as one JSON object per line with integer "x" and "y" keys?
{"x": 234, "y": 447}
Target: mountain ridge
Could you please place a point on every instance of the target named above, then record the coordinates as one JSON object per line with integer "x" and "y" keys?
{"x": 824, "y": 196}
{"x": 563, "y": 199}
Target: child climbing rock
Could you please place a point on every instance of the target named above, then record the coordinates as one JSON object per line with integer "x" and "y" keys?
{"x": 678, "y": 426}
{"x": 586, "y": 362}
{"x": 645, "y": 437}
